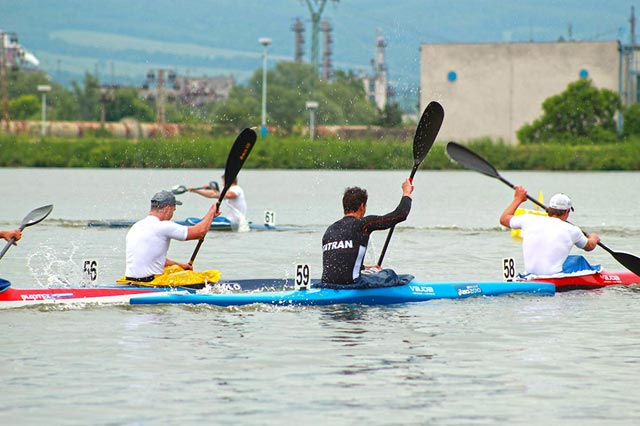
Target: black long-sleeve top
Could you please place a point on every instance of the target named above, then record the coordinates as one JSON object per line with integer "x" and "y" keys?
{"x": 344, "y": 243}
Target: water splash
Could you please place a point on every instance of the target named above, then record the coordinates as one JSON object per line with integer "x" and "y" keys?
{"x": 56, "y": 267}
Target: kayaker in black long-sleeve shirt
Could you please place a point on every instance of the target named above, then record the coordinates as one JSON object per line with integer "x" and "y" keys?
{"x": 344, "y": 243}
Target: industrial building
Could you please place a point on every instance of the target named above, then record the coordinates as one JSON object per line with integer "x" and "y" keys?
{"x": 493, "y": 89}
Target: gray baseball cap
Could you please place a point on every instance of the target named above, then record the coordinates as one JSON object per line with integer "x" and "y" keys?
{"x": 164, "y": 198}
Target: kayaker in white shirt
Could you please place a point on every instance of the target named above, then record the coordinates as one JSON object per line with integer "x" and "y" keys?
{"x": 148, "y": 239}
{"x": 546, "y": 240}
{"x": 234, "y": 200}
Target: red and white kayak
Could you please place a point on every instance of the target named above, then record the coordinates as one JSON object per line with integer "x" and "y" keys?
{"x": 589, "y": 281}
{"x": 20, "y": 297}
{"x": 11, "y": 297}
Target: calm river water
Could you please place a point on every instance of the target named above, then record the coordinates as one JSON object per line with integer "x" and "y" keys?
{"x": 571, "y": 359}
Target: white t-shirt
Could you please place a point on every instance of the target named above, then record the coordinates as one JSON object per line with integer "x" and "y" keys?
{"x": 236, "y": 208}
{"x": 147, "y": 245}
{"x": 546, "y": 242}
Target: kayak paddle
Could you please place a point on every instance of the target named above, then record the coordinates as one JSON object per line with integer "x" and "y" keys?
{"x": 181, "y": 189}
{"x": 423, "y": 140}
{"x": 472, "y": 161}
{"x": 34, "y": 216}
{"x": 237, "y": 156}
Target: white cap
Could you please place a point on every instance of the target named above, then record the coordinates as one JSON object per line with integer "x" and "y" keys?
{"x": 560, "y": 202}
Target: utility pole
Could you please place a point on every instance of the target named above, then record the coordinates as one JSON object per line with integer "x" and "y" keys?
{"x": 161, "y": 111}
{"x": 631, "y": 53}
{"x": 316, "y": 16}
{"x": 381, "y": 82}
{"x": 265, "y": 42}
{"x": 4, "y": 84}
{"x": 298, "y": 29}
{"x": 159, "y": 94}
{"x": 326, "y": 55}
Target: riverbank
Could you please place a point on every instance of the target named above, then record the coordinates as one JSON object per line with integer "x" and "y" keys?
{"x": 277, "y": 152}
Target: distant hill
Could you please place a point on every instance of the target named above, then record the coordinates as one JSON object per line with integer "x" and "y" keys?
{"x": 122, "y": 40}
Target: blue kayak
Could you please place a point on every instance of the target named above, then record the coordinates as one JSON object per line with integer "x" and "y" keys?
{"x": 219, "y": 224}
{"x": 415, "y": 291}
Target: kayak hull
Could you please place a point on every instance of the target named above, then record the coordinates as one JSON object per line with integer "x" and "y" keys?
{"x": 21, "y": 297}
{"x": 11, "y": 297}
{"x": 215, "y": 225}
{"x": 237, "y": 293}
{"x": 415, "y": 291}
{"x": 590, "y": 282}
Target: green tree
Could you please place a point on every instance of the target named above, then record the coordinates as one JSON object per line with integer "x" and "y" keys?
{"x": 580, "y": 113}
{"x": 631, "y": 123}
{"x": 240, "y": 110}
{"x": 24, "y": 108}
{"x": 390, "y": 116}
{"x": 60, "y": 103}
{"x": 344, "y": 101}
{"x": 87, "y": 97}
{"x": 24, "y": 82}
{"x": 124, "y": 102}
{"x": 289, "y": 86}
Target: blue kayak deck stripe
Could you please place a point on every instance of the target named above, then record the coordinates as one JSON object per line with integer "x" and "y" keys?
{"x": 413, "y": 292}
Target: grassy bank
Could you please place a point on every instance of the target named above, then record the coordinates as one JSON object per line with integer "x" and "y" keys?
{"x": 297, "y": 153}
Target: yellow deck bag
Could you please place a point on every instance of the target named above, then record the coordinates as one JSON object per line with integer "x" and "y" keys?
{"x": 175, "y": 276}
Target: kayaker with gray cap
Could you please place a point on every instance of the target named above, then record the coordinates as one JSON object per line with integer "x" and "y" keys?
{"x": 148, "y": 239}
{"x": 546, "y": 240}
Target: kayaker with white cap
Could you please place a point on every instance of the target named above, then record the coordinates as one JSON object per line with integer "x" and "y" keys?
{"x": 546, "y": 240}
{"x": 148, "y": 239}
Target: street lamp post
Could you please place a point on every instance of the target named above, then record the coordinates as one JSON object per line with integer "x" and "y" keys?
{"x": 265, "y": 42}
{"x": 312, "y": 106}
{"x": 44, "y": 88}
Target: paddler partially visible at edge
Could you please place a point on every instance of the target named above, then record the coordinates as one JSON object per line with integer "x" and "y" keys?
{"x": 8, "y": 235}
{"x": 546, "y": 240}
{"x": 344, "y": 243}
{"x": 148, "y": 239}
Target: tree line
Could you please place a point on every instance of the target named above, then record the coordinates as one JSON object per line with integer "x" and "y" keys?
{"x": 582, "y": 114}
{"x": 342, "y": 101}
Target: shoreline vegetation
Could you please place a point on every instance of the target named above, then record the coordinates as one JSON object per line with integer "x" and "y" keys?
{"x": 296, "y": 152}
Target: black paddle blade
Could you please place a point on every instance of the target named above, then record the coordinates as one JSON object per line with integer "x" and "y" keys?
{"x": 470, "y": 160}
{"x": 423, "y": 140}
{"x": 427, "y": 130}
{"x": 237, "y": 156}
{"x": 628, "y": 260}
{"x": 36, "y": 216}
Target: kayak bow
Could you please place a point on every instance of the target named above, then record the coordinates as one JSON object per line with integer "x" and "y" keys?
{"x": 589, "y": 281}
